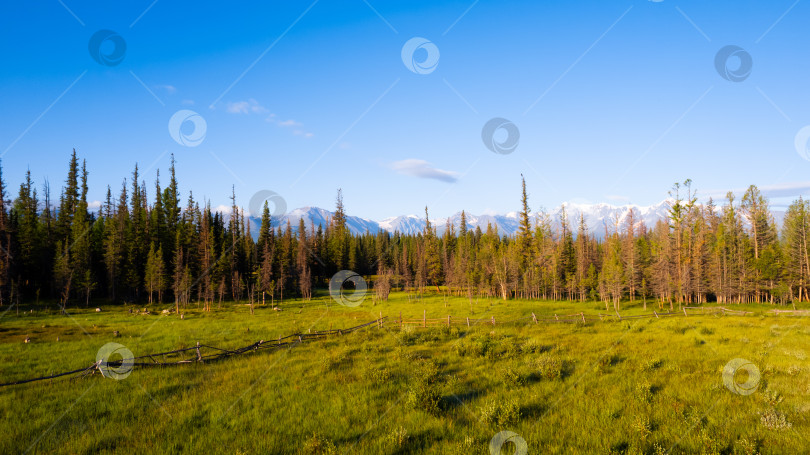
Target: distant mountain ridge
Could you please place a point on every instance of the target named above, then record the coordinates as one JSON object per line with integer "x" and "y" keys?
{"x": 598, "y": 217}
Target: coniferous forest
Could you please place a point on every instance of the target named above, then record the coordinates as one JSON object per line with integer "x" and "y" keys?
{"x": 147, "y": 246}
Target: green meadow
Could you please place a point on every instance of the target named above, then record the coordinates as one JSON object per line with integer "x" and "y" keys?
{"x": 635, "y": 386}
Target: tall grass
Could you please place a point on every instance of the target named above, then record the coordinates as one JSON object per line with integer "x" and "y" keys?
{"x": 639, "y": 386}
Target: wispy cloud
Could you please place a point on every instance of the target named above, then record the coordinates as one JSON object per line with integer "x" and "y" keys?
{"x": 169, "y": 89}
{"x": 296, "y": 127}
{"x": 423, "y": 169}
{"x": 794, "y": 189}
{"x": 289, "y": 123}
{"x": 250, "y": 106}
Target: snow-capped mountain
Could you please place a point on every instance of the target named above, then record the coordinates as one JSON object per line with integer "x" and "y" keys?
{"x": 600, "y": 216}
{"x": 406, "y": 224}
{"x": 597, "y": 216}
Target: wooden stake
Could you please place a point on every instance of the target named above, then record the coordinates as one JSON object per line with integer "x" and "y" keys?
{"x": 656, "y": 315}
{"x": 534, "y": 318}
{"x": 424, "y": 318}
{"x": 468, "y": 321}
{"x": 493, "y": 320}
{"x": 583, "y": 317}
{"x": 199, "y": 357}
{"x": 684, "y": 312}
{"x": 448, "y": 320}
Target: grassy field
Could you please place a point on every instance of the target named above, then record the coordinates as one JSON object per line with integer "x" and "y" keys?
{"x": 634, "y": 386}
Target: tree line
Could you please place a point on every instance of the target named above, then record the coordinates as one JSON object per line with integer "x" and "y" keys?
{"x": 142, "y": 248}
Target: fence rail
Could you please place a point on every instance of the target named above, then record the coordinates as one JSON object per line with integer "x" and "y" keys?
{"x": 574, "y": 318}
{"x": 202, "y": 353}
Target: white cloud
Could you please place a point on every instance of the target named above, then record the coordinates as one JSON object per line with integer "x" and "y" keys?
{"x": 298, "y": 127}
{"x": 423, "y": 169}
{"x": 786, "y": 190}
{"x": 188, "y": 102}
{"x": 290, "y": 123}
{"x": 250, "y": 106}
{"x": 170, "y": 89}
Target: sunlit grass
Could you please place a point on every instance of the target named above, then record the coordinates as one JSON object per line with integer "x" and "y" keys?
{"x": 634, "y": 386}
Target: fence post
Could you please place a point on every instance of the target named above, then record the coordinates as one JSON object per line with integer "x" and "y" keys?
{"x": 400, "y": 321}
{"x": 583, "y": 317}
{"x": 656, "y": 315}
{"x": 424, "y": 318}
{"x": 555, "y": 317}
{"x": 534, "y": 318}
{"x": 468, "y": 321}
{"x": 448, "y": 320}
{"x": 199, "y": 357}
{"x": 493, "y": 320}
{"x": 684, "y": 312}
{"x": 380, "y": 321}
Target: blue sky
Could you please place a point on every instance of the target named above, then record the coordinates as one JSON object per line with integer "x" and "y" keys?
{"x": 614, "y": 101}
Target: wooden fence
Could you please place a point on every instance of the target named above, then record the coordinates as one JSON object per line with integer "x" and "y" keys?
{"x": 581, "y": 317}
{"x": 203, "y": 353}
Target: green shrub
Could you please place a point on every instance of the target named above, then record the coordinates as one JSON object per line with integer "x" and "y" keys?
{"x": 512, "y": 377}
{"x": 642, "y": 426}
{"x": 318, "y": 445}
{"x": 423, "y": 390}
{"x": 502, "y": 413}
{"x": 652, "y": 364}
{"x": 376, "y": 374}
{"x": 548, "y": 367}
{"x": 644, "y": 391}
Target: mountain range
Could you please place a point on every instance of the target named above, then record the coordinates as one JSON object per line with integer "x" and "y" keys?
{"x": 597, "y": 217}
